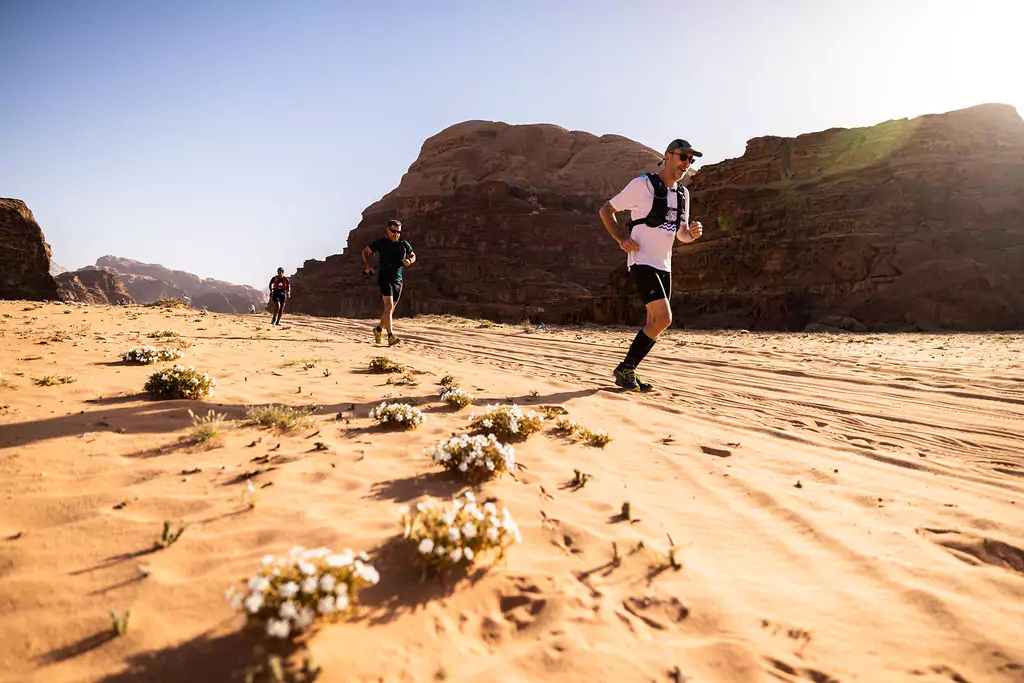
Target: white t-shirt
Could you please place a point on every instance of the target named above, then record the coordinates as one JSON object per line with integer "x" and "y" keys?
{"x": 655, "y": 243}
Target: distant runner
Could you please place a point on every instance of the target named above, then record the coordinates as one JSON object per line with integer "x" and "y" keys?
{"x": 395, "y": 253}
{"x": 279, "y": 293}
{"x": 658, "y": 206}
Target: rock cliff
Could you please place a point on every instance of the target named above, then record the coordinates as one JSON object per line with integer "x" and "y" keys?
{"x": 24, "y": 255}
{"x": 148, "y": 282}
{"x": 907, "y": 225}
{"x": 503, "y": 220}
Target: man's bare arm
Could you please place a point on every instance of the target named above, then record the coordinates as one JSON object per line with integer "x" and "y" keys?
{"x": 411, "y": 259}
{"x": 366, "y": 260}
{"x": 626, "y": 243}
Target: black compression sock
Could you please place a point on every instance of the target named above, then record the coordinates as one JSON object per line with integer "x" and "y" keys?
{"x": 638, "y": 350}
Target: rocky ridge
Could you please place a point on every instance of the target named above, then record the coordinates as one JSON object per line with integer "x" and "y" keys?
{"x": 149, "y": 282}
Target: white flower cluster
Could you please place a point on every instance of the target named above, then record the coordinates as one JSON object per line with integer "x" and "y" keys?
{"x": 147, "y": 355}
{"x": 507, "y": 422}
{"x": 398, "y": 414}
{"x": 289, "y": 593}
{"x": 459, "y": 531}
{"x": 456, "y": 397}
{"x": 478, "y": 457}
{"x": 181, "y": 382}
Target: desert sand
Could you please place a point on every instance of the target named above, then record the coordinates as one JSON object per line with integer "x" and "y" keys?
{"x": 844, "y": 507}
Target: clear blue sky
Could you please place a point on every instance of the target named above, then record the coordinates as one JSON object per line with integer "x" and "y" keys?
{"x": 226, "y": 138}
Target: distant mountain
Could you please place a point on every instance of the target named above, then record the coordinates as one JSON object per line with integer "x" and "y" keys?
{"x": 148, "y": 282}
{"x": 92, "y": 285}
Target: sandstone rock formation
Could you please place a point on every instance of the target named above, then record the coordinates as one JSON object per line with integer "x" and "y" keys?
{"x": 92, "y": 285}
{"x": 24, "y": 255}
{"x": 908, "y": 225}
{"x": 149, "y": 282}
{"x": 503, "y": 220}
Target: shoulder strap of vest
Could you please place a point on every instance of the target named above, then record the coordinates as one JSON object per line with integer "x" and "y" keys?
{"x": 658, "y": 185}
{"x": 680, "y": 204}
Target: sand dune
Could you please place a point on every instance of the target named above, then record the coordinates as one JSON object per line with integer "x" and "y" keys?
{"x": 846, "y": 508}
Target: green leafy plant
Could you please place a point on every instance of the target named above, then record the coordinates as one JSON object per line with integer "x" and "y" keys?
{"x": 169, "y": 538}
{"x": 52, "y": 380}
{"x": 119, "y": 623}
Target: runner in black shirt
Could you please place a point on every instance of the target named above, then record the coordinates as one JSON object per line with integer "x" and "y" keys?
{"x": 279, "y": 293}
{"x": 395, "y": 253}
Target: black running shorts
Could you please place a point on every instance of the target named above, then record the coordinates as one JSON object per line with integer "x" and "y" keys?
{"x": 392, "y": 288}
{"x": 653, "y": 284}
{"x": 278, "y": 296}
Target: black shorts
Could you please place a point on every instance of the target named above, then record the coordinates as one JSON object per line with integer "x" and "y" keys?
{"x": 392, "y": 288}
{"x": 278, "y": 296}
{"x": 653, "y": 284}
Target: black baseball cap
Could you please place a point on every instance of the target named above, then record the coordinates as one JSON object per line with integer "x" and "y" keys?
{"x": 683, "y": 145}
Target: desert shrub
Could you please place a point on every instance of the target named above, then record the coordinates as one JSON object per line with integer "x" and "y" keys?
{"x": 478, "y": 457}
{"x": 576, "y": 429}
{"x": 456, "y": 397}
{"x": 384, "y": 364}
{"x": 449, "y": 382}
{"x": 283, "y": 418}
{"x": 289, "y": 594}
{"x": 459, "y": 532}
{"x": 164, "y": 334}
{"x": 207, "y": 428}
{"x": 52, "y": 380}
{"x": 147, "y": 355}
{"x": 181, "y": 382}
{"x": 507, "y": 422}
{"x": 401, "y": 415}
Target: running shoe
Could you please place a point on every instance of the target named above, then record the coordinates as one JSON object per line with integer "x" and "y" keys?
{"x": 626, "y": 378}
{"x": 378, "y": 334}
{"x": 644, "y": 386}
{"x": 393, "y": 339}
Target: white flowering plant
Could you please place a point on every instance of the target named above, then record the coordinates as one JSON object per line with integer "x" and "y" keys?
{"x": 459, "y": 532}
{"x": 289, "y": 594}
{"x": 401, "y": 415}
{"x": 507, "y": 422}
{"x": 456, "y": 397}
{"x": 479, "y": 457}
{"x": 147, "y": 355}
{"x": 181, "y": 382}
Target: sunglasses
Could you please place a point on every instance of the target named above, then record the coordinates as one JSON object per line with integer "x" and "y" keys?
{"x": 396, "y": 232}
{"x": 684, "y": 157}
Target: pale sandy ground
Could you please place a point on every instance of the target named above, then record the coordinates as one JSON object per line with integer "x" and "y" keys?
{"x": 847, "y": 508}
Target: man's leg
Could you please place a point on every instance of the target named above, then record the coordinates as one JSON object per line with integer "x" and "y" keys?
{"x": 277, "y": 311}
{"x": 654, "y": 287}
{"x": 388, "y": 303}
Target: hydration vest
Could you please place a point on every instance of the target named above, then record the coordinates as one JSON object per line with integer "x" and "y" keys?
{"x": 659, "y": 209}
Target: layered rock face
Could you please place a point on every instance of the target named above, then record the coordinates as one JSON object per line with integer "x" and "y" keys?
{"x": 149, "y": 282}
{"x": 24, "y": 255}
{"x": 92, "y": 285}
{"x": 908, "y": 225}
{"x": 503, "y": 220}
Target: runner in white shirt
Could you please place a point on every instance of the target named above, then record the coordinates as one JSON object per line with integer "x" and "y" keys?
{"x": 647, "y": 241}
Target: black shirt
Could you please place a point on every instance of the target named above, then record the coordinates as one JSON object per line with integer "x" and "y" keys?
{"x": 391, "y": 256}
